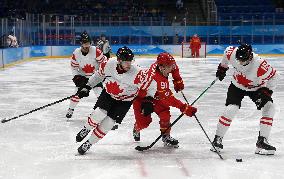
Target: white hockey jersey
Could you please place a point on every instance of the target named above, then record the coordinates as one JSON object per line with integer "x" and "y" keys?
{"x": 125, "y": 86}
{"x": 86, "y": 65}
{"x": 258, "y": 73}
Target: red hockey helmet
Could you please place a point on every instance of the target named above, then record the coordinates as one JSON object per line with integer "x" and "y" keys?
{"x": 165, "y": 58}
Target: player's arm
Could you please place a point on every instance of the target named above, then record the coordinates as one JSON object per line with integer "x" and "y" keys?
{"x": 95, "y": 79}
{"x": 223, "y": 66}
{"x": 99, "y": 75}
{"x": 74, "y": 65}
{"x": 178, "y": 82}
{"x": 269, "y": 77}
{"x": 183, "y": 107}
{"x": 100, "y": 56}
{"x": 147, "y": 104}
{"x": 78, "y": 79}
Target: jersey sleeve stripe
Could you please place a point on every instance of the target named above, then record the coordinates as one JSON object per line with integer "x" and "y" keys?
{"x": 272, "y": 73}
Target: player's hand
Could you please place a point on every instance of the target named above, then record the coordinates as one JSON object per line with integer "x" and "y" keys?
{"x": 147, "y": 106}
{"x": 263, "y": 96}
{"x": 178, "y": 85}
{"x": 84, "y": 91}
{"x": 221, "y": 72}
{"x": 80, "y": 80}
{"x": 188, "y": 110}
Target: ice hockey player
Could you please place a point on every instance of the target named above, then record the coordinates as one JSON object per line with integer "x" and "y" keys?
{"x": 122, "y": 80}
{"x": 253, "y": 77}
{"x": 104, "y": 45}
{"x": 84, "y": 62}
{"x": 195, "y": 45}
{"x": 163, "y": 99}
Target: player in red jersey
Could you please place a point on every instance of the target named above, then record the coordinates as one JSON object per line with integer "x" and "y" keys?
{"x": 163, "y": 99}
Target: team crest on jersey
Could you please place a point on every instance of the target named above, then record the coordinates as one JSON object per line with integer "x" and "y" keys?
{"x": 241, "y": 79}
{"x": 88, "y": 68}
{"x": 113, "y": 88}
{"x": 229, "y": 52}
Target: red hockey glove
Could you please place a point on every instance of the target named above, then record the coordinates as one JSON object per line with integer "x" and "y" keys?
{"x": 147, "y": 106}
{"x": 178, "y": 85}
{"x": 221, "y": 72}
{"x": 188, "y": 110}
{"x": 263, "y": 96}
{"x": 80, "y": 80}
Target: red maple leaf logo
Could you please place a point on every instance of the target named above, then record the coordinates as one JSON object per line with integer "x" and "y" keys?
{"x": 113, "y": 88}
{"x": 88, "y": 68}
{"x": 241, "y": 79}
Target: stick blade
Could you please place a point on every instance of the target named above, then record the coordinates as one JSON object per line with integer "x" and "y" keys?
{"x": 139, "y": 148}
{"x": 4, "y": 120}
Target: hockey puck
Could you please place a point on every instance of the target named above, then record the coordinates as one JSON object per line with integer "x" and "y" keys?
{"x": 239, "y": 160}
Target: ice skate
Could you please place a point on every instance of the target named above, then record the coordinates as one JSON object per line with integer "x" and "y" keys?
{"x": 170, "y": 141}
{"x": 82, "y": 134}
{"x": 263, "y": 147}
{"x": 217, "y": 144}
{"x": 69, "y": 113}
{"x": 84, "y": 147}
{"x": 136, "y": 135}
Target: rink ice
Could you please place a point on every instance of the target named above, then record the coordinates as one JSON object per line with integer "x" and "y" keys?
{"x": 42, "y": 144}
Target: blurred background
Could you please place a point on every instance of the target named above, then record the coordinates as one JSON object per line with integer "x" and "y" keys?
{"x": 150, "y": 22}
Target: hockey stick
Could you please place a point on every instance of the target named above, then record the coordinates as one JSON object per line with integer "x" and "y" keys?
{"x": 203, "y": 129}
{"x": 59, "y": 101}
{"x": 140, "y": 148}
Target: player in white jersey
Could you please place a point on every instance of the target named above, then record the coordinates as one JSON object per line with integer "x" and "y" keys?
{"x": 252, "y": 77}
{"x": 84, "y": 62}
{"x": 122, "y": 80}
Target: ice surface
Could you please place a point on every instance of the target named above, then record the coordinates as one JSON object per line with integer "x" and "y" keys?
{"x": 42, "y": 144}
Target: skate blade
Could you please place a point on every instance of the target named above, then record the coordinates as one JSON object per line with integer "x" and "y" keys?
{"x": 171, "y": 146}
{"x": 260, "y": 151}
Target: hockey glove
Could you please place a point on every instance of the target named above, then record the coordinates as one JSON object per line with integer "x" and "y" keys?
{"x": 263, "y": 96}
{"x": 221, "y": 72}
{"x": 80, "y": 80}
{"x": 188, "y": 110}
{"x": 147, "y": 106}
{"x": 178, "y": 85}
{"x": 84, "y": 91}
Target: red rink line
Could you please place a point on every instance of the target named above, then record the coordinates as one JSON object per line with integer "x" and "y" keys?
{"x": 142, "y": 168}
{"x": 182, "y": 167}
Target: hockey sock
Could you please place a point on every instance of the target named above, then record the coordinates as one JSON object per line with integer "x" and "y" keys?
{"x": 226, "y": 119}
{"x": 101, "y": 130}
{"x": 163, "y": 126}
{"x": 266, "y": 121}
{"x": 74, "y": 101}
{"x": 95, "y": 118}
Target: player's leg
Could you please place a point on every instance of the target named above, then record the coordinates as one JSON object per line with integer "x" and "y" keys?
{"x": 115, "y": 113}
{"x": 233, "y": 103}
{"x": 74, "y": 100}
{"x": 197, "y": 52}
{"x": 141, "y": 121}
{"x": 265, "y": 125}
{"x": 164, "y": 115}
{"x": 101, "y": 107}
